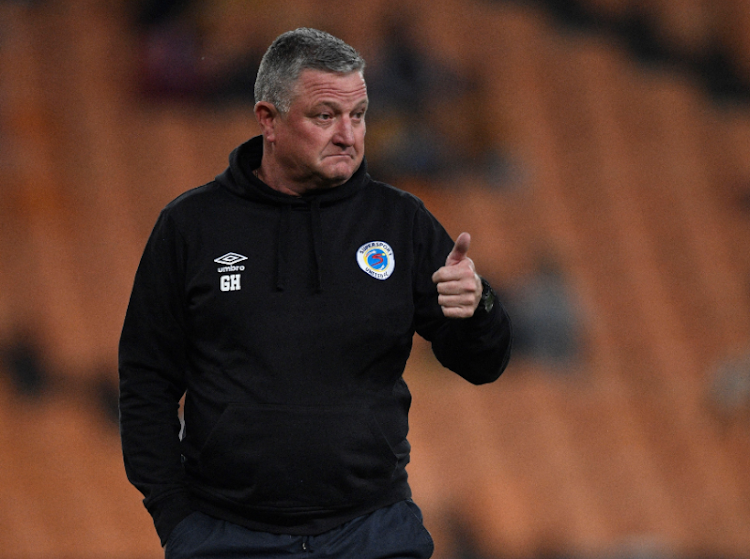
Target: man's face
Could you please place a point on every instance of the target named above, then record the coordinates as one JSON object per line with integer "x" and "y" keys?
{"x": 320, "y": 141}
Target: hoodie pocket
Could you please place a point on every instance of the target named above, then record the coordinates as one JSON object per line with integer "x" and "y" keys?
{"x": 297, "y": 457}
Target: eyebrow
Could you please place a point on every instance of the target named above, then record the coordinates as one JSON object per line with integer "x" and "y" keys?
{"x": 365, "y": 103}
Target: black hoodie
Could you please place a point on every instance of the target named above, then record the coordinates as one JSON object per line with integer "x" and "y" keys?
{"x": 286, "y": 322}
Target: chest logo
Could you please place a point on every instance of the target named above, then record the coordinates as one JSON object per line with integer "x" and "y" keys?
{"x": 230, "y": 263}
{"x": 376, "y": 259}
{"x": 230, "y": 259}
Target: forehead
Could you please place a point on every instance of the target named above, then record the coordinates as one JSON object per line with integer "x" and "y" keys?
{"x": 315, "y": 86}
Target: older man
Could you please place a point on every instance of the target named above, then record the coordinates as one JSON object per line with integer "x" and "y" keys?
{"x": 281, "y": 300}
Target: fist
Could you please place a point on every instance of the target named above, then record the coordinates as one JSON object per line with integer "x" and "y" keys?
{"x": 458, "y": 285}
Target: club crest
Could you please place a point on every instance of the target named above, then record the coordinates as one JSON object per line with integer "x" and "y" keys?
{"x": 376, "y": 259}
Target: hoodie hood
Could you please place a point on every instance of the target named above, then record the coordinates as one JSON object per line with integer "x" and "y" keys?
{"x": 239, "y": 179}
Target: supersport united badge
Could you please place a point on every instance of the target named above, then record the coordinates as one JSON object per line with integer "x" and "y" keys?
{"x": 376, "y": 259}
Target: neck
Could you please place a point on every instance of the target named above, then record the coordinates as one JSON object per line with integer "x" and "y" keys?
{"x": 273, "y": 176}
{"x": 268, "y": 178}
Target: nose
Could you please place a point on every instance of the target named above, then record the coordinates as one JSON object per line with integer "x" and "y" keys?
{"x": 344, "y": 135}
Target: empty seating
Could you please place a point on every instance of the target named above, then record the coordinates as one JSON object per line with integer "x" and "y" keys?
{"x": 627, "y": 178}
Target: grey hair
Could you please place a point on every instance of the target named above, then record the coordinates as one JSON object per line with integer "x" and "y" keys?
{"x": 298, "y": 50}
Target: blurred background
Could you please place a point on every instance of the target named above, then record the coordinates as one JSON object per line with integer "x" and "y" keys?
{"x": 597, "y": 150}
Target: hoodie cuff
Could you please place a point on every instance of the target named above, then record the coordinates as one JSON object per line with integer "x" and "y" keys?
{"x": 483, "y": 325}
{"x": 483, "y": 317}
{"x": 169, "y": 512}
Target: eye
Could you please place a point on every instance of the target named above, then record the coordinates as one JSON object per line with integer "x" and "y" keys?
{"x": 325, "y": 116}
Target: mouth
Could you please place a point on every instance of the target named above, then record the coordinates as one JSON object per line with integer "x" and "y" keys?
{"x": 341, "y": 155}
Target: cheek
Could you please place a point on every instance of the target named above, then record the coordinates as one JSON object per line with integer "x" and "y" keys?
{"x": 315, "y": 139}
{"x": 359, "y": 136}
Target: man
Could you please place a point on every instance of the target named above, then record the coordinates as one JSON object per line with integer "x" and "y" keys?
{"x": 281, "y": 300}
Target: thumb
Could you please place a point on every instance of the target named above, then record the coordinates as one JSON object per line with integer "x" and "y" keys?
{"x": 459, "y": 249}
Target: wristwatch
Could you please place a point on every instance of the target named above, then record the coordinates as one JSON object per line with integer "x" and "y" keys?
{"x": 487, "y": 300}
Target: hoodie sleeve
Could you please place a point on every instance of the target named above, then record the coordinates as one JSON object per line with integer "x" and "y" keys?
{"x": 476, "y": 348}
{"x": 152, "y": 362}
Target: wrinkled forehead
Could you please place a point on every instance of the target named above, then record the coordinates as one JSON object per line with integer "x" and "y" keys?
{"x": 316, "y": 86}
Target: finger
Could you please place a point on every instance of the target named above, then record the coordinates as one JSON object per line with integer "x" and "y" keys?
{"x": 459, "y": 249}
{"x": 456, "y": 286}
{"x": 455, "y": 307}
{"x": 448, "y": 274}
{"x": 456, "y": 272}
{"x": 456, "y": 300}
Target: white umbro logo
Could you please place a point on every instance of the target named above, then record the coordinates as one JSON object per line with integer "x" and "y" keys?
{"x": 230, "y": 282}
{"x": 230, "y": 258}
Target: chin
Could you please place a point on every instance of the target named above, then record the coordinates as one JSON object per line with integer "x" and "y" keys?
{"x": 339, "y": 176}
{"x": 333, "y": 182}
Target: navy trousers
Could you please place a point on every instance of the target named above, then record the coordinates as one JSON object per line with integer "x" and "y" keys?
{"x": 394, "y": 532}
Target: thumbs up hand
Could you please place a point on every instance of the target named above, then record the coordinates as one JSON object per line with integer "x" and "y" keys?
{"x": 458, "y": 285}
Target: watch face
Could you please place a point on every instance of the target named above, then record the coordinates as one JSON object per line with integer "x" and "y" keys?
{"x": 488, "y": 297}
{"x": 489, "y": 302}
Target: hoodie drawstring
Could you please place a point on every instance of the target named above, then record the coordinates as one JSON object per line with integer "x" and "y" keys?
{"x": 316, "y": 230}
{"x": 282, "y": 248}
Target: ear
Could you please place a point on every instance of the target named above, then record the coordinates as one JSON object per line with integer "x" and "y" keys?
{"x": 266, "y": 115}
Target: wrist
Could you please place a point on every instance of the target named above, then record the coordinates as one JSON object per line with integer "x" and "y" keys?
{"x": 487, "y": 299}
